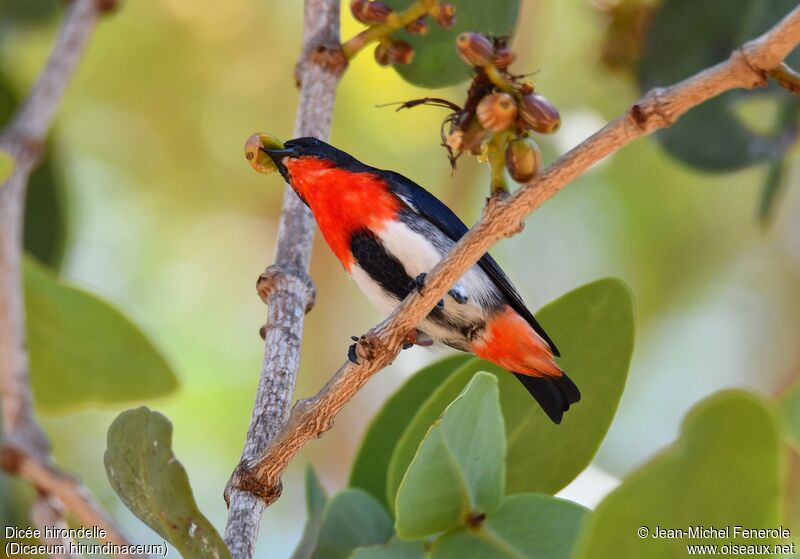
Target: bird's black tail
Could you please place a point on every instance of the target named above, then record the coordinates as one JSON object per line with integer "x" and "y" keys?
{"x": 554, "y": 394}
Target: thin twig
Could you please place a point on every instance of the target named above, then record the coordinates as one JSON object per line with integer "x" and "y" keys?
{"x": 285, "y": 286}
{"x": 786, "y": 77}
{"x": 746, "y": 68}
{"x": 26, "y": 450}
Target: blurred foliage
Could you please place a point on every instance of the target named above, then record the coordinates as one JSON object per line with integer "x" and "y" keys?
{"x": 593, "y": 326}
{"x": 775, "y": 182}
{"x": 27, "y": 12}
{"x": 458, "y": 471}
{"x": 153, "y": 484}
{"x": 435, "y": 62}
{"x": 790, "y": 406}
{"x": 6, "y": 166}
{"x": 84, "y": 351}
{"x": 724, "y": 471}
{"x": 45, "y": 233}
{"x": 712, "y": 137}
{"x": 628, "y": 22}
{"x": 14, "y": 511}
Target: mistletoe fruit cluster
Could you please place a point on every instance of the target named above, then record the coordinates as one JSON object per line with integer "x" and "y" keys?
{"x": 500, "y": 113}
{"x": 383, "y": 21}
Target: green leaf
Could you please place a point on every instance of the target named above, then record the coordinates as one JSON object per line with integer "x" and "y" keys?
{"x": 789, "y": 402}
{"x": 525, "y": 526}
{"x": 46, "y": 228}
{"x": 394, "y": 549}
{"x": 458, "y": 472}
{"x": 315, "y": 504}
{"x": 153, "y": 484}
{"x": 724, "y": 471}
{"x": 6, "y": 167}
{"x": 45, "y": 223}
{"x": 83, "y": 350}
{"x": 593, "y": 327}
{"x": 372, "y": 461}
{"x": 425, "y": 416}
{"x": 436, "y": 63}
{"x": 712, "y": 137}
{"x": 351, "y": 519}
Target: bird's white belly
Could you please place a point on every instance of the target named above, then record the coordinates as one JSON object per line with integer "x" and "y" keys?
{"x": 383, "y": 301}
{"x": 418, "y": 255}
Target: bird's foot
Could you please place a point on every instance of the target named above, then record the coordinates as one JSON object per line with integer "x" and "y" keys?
{"x": 417, "y": 337}
{"x": 419, "y": 283}
{"x": 459, "y": 294}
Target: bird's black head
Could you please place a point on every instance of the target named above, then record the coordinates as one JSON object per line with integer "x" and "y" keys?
{"x": 308, "y": 147}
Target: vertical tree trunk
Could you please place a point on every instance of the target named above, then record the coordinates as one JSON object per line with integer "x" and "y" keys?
{"x": 285, "y": 286}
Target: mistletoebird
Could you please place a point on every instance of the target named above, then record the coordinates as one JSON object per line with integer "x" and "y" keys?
{"x": 388, "y": 232}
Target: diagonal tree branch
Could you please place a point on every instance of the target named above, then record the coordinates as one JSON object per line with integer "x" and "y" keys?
{"x": 26, "y": 450}
{"x": 285, "y": 286}
{"x": 746, "y": 68}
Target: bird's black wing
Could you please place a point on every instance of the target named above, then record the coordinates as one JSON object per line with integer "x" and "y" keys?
{"x": 435, "y": 211}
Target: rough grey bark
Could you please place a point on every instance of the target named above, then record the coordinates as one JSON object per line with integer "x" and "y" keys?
{"x": 25, "y": 450}
{"x": 285, "y": 286}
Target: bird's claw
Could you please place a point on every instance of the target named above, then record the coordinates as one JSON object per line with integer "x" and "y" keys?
{"x": 351, "y": 353}
{"x": 419, "y": 282}
{"x": 417, "y": 337}
{"x": 410, "y": 339}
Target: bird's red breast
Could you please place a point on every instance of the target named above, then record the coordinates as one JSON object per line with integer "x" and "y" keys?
{"x": 343, "y": 202}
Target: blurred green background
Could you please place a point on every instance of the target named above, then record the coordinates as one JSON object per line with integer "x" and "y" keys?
{"x": 167, "y": 220}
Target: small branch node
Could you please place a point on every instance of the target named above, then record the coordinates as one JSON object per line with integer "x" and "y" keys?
{"x": 651, "y": 112}
{"x": 11, "y": 459}
{"x": 107, "y": 6}
{"x": 757, "y": 75}
{"x": 330, "y": 57}
{"x": 279, "y": 279}
{"x": 244, "y": 479}
{"x": 638, "y": 116}
{"x": 369, "y": 346}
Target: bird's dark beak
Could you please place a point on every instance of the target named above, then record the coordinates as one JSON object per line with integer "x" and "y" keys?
{"x": 278, "y": 155}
